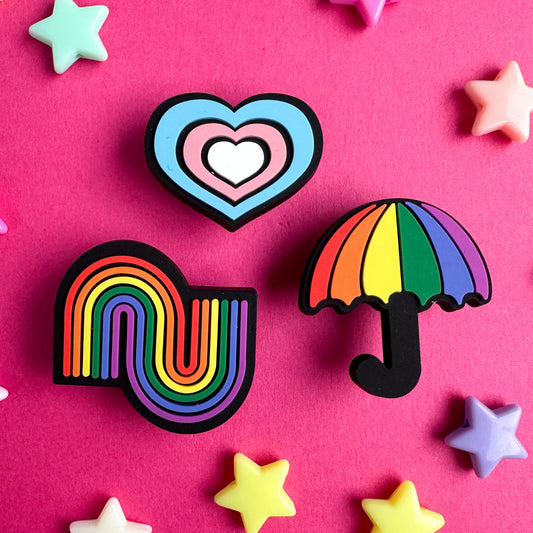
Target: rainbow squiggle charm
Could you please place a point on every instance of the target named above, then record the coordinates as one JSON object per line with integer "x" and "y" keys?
{"x": 125, "y": 317}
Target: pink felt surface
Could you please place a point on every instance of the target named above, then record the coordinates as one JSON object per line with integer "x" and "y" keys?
{"x": 396, "y": 123}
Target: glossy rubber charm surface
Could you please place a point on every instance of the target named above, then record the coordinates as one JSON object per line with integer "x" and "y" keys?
{"x": 504, "y": 104}
{"x": 125, "y": 317}
{"x": 400, "y": 256}
{"x": 488, "y": 435}
{"x": 257, "y": 492}
{"x": 72, "y": 32}
{"x": 370, "y": 10}
{"x": 401, "y": 513}
{"x": 233, "y": 164}
{"x": 111, "y": 520}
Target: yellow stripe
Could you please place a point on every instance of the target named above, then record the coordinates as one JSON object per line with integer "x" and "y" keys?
{"x": 159, "y": 334}
{"x": 213, "y": 341}
{"x": 381, "y": 264}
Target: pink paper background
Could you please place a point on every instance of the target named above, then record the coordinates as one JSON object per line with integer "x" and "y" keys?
{"x": 396, "y": 123}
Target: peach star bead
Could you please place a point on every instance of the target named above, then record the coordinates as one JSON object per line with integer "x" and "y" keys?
{"x": 503, "y": 104}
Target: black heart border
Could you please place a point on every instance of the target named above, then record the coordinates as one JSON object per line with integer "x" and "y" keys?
{"x": 229, "y": 223}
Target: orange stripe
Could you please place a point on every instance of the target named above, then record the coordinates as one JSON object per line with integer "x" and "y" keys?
{"x": 79, "y": 301}
{"x": 326, "y": 261}
{"x": 195, "y": 327}
{"x": 72, "y": 296}
{"x": 116, "y": 271}
{"x": 346, "y": 278}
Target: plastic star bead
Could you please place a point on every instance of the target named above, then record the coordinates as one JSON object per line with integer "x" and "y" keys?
{"x": 111, "y": 520}
{"x": 72, "y": 32}
{"x": 3, "y": 393}
{"x": 401, "y": 513}
{"x": 257, "y": 492}
{"x": 370, "y": 10}
{"x": 503, "y": 104}
{"x": 489, "y": 436}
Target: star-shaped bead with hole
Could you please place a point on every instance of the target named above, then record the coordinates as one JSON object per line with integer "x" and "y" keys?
{"x": 401, "y": 513}
{"x": 111, "y": 520}
{"x": 489, "y": 436}
{"x": 503, "y": 104}
{"x": 72, "y": 32}
{"x": 257, "y": 492}
{"x": 370, "y": 10}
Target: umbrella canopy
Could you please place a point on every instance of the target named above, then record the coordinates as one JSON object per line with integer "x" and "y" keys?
{"x": 395, "y": 246}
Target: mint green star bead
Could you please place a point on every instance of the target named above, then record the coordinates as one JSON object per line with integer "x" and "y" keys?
{"x": 72, "y": 32}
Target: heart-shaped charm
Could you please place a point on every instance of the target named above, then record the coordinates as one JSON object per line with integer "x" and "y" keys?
{"x": 233, "y": 164}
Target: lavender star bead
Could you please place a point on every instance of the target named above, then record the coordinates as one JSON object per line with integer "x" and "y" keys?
{"x": 488, "y": 435}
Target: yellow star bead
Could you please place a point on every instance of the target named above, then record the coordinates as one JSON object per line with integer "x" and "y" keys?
{"x": 257, "y": 492}
{"x": 401, "y": 513}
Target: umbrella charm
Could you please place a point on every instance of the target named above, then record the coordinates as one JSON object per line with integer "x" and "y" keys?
{"x": 399, "y": 256}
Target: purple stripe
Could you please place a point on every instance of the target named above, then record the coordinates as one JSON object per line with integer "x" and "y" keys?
{"x": 221, "y": 406}
{"x": 244, "y": 323}
{"x": 119, "y": 309}
{"x": 456, "y": 278}
{"x": 467, "y": 247}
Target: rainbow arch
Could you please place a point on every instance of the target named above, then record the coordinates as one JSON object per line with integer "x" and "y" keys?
{"x": 126, "y": 317}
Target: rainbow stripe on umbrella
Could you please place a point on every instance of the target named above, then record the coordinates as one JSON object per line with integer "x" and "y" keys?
{"x": 400, "y": 256}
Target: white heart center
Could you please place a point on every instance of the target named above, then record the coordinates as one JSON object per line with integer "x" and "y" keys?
{"x": 236, "y": 162}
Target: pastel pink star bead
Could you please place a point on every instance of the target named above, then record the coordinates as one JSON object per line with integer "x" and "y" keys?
{"x": 370, "y": 10}
{"x": 503, "y": 104}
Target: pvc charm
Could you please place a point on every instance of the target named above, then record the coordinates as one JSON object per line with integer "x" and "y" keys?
{"x": 400, "y": 256}
{"x": 184, "y": 356}
{"x": 233, "y": 164}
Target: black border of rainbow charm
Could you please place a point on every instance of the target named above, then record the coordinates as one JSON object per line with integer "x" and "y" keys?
{"x": 126, "y": 317}
{"x": 400, "y": 256}
{"x": 183, "y": 128}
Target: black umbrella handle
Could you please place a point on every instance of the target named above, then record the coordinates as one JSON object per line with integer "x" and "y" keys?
{"x": 400, "y": 370}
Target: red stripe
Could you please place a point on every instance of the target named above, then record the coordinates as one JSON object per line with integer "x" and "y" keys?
{"x": 326, "y": 261}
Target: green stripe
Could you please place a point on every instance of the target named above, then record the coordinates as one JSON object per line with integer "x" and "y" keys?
{"x": 420, "y": 269}
{"x": 150, "y": 326}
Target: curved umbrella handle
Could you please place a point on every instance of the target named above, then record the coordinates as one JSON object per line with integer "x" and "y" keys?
{"x": 400, "y": 370}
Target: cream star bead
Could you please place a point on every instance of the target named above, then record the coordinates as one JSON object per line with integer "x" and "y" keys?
{"x": 111, "y": 520}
